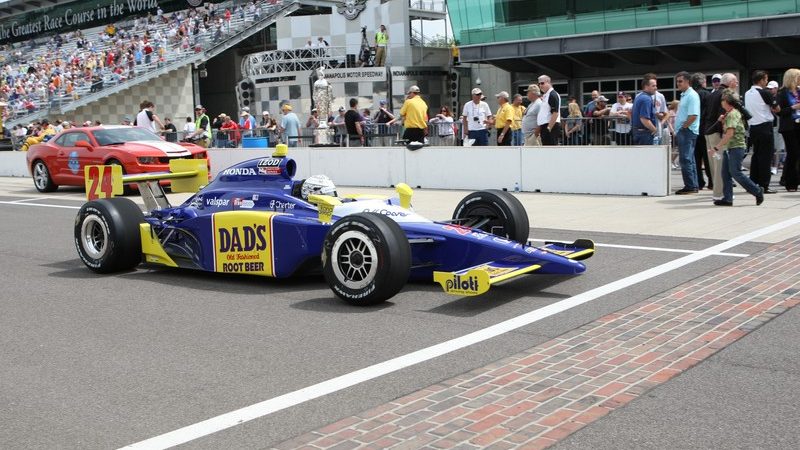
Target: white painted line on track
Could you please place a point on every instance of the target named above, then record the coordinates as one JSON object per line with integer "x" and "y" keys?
{"x": 46, "y": 205}
{"x": 266, "y": 407}
{"x": 654, "y": 249}
{"x": 29, "y": 199}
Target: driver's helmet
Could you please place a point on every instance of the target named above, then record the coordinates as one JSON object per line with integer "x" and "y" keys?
{"x": 317, "y": 184}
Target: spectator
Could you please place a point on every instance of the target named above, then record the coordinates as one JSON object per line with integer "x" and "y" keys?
{"x": 549, "y": 119}
{"x": 475, "y": 116}
{"x": 381, "y": 121}
{"x": 415, "y": 116}
{"x": 716, "y": 80}
{"x": 776, "y": 136}
{"x": 202, "y": 127}
{"x": 247, "y": 123}
{"x": 504, "y": 119}
{"x": 354, "y": 123}
{"x": 713, "y": 131}
{"x": 339, "y": 127}
{"x": 733, "y": 139}
{"x": 313, "y": 120}
{"x": 530, "y": 129}
{"x": 444, "y": 127}
{"x": 761, "y": 104}
{"x": 231, "y": 130}
{"x": 147, "y": 118}
{"x": 700, "y": 151}
{"x": 789, "y": 126}
{"x": 643, "y": 124}
{"x": 588, "y": 110}
{"x": 516, "y": 125}
{"x": 221, "y": 136}
{"x": 290, "y": 126}
{"x": 125, "y": 121}
{"x": 598, "y": 126}
{"x": 188, "y": 127}
{"x": 170, "y": 132}
{"x": 43, "y": 135}
{"x": 573, "y": 125}
{"x": 622, "y": 125}
{"x": 688, "y": 126}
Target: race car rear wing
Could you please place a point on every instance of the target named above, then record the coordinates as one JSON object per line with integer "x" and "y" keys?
{"x": 185, "y": 175}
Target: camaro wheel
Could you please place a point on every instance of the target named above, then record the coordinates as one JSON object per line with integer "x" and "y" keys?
{"x": 41, "y": 177}
{"x": 366, "y": 258}
{"x": 126, "y": 189}
{"x": 107, "y": 235}
{"x": 496, "y": 212}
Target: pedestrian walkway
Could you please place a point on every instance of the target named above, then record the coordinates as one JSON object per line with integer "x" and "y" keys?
{"x": 536, "y": 398}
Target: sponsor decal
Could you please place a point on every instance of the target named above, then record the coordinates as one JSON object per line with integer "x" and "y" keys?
{"x": 474, "y": 282}
{"x": 239, "y": 171}
{"x": 350, "y": 9}
{"x": 277, "y": 204}
{"x": 244, "y": 203}
{"x": 216, "y": 202}
{"x": 530, "y": 250}
{"x": 502, "y": 240}
{"x": 267, "y": 162}
{"x": 462, "y": 230}
{"x": 269, "y": 166}
{"x": 74, "y": 163}
{"x": 386, "y": 212}
{"x": 495, "y": 271}
{"x": 478, "y": 235}
{"x": 242, "y": 242}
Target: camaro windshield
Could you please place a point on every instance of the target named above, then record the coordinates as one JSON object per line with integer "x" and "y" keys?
{"x": 121, "y": 135}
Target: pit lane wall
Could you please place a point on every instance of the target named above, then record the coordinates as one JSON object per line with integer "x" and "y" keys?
{"x": 573, "y": 170}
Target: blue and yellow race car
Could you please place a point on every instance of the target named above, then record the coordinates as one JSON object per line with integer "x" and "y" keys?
{"x": 256, "y": 218}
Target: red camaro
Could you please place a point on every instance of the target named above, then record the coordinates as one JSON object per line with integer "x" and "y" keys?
{"x": 60, "y": 161}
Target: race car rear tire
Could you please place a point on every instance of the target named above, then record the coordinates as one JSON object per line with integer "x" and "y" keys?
{"x": 366, "y": 258}
{"x": 496, "y": 212}
{"x": 107, "y": 235}
{"x": 41, "y": 177}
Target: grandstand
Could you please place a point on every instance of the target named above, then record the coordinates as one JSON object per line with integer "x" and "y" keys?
{"x": 80, "y": 71}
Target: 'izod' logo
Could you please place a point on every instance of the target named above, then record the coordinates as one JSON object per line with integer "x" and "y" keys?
{"x": 462, "y": 284}
{"x": 242, "y": 239}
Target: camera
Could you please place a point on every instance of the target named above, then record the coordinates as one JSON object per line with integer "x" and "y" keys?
{"x": 475, "y": 118}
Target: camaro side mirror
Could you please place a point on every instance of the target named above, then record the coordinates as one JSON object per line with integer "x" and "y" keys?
{"x": 84, "y": 144}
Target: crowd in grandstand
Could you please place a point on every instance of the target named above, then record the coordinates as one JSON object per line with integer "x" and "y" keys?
{"x": 39, "y": 74}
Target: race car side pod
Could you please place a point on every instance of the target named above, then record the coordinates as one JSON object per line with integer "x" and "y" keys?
{"x": 185, "y": 175}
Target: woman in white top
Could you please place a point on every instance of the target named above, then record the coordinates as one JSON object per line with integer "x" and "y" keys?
{"x": 445, "y": 129}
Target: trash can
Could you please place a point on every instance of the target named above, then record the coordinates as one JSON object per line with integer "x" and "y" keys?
{"x": 255, "y": 142}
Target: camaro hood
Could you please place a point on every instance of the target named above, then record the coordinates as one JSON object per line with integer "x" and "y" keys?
{"x": 160, "y": 148}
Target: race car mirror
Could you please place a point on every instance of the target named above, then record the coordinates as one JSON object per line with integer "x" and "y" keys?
{"x": 102, "y": 181}
{"x": 325, "y": 204}
{"x": 405, "y": 192}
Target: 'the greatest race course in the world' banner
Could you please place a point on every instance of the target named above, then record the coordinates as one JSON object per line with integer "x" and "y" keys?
{"x": 76, "y": 15}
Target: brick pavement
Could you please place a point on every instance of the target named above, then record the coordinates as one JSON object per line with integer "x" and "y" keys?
{"x": 538, "y": 397}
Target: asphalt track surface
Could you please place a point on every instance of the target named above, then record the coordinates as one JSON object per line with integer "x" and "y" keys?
{"x": 92, "y": 361}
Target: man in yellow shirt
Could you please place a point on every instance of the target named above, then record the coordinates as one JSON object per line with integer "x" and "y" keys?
{"x": 517, "y": 138}
{"x": 504, "y": 119}
{"x": 381, "y": 41}
{"x": 415, "y": 116}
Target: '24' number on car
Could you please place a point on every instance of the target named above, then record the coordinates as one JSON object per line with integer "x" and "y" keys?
{"x": 101, "y": 182}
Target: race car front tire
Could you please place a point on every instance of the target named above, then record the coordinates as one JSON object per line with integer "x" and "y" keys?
{"x": 366, "y": 258}
{"x": 107, "y": 235}
{"x": 494, "y": 211}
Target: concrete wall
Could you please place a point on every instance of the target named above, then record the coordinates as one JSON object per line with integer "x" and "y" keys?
{"x": 573, "y": 170}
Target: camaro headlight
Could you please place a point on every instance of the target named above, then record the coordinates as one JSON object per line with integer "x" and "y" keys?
{"x": 200, "y": 155}
{"x": 147, "y": 159}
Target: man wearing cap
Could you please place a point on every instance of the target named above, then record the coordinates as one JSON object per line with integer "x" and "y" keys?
{"x": 530, "y": 129}
{"x": 716, "y": 79}
{"x": 337, "y": 124}
{"x": 475, "y": 116}
{"x": 202, "y": 127}
{"x": 516, "y": 126}
{"x": 622, "y": 126}
{"x": 246, "y": 122}
{"x": 381, "y": 119}
{"x": 503, "y": 119}
{"x": 290, "y": 126}
{"x": 46, "y": 132}
{"x": 598, "y": 128}
{"x": 761, "y": 104}
{"x": 415, "y": 116}
{"x": 549, "y": 119}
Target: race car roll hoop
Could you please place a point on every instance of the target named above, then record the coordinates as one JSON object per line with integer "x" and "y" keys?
{"x": 256, "y": 218}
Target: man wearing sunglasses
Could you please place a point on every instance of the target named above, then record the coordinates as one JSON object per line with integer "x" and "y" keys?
{"x": 549, "y": 119}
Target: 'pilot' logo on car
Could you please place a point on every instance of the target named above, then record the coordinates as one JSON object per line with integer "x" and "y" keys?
{"x": 474, "y": 282}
